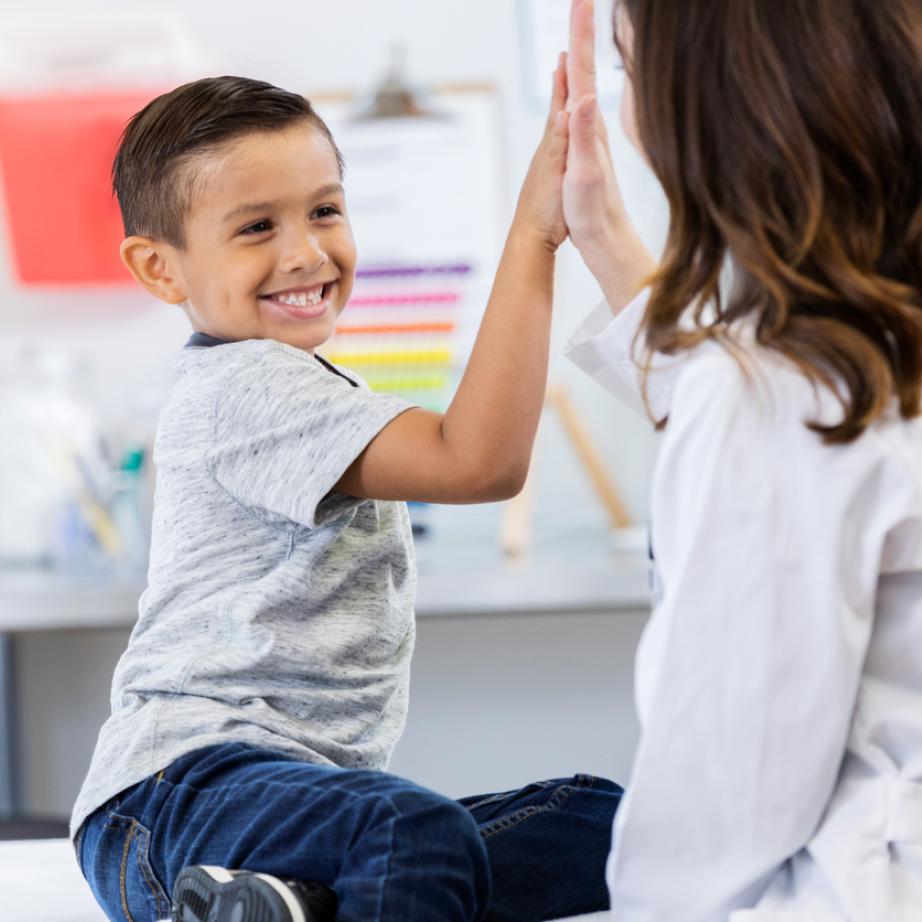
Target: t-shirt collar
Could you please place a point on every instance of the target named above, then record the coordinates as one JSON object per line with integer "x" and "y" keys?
{"x": 204, "y": 340}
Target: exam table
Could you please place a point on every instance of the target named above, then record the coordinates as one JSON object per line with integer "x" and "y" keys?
{"x": 40, "y": 882}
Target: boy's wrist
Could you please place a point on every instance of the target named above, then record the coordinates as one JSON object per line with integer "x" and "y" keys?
{"x": 527, "y": 234}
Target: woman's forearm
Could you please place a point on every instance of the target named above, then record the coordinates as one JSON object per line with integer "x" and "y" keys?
{"x": 621, "y": 265}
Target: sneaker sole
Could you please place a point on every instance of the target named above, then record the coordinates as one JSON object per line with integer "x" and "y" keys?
{"x": 213, "y": 895}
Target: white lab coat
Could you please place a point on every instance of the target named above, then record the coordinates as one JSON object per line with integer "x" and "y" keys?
{"x": 779, "y": 681}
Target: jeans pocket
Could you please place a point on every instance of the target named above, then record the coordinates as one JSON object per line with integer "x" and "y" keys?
{"x": 550, "y": 801}
{"x": 117, "y": 865}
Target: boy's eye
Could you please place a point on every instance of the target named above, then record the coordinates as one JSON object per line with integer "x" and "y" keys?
{"x": 326, "y": 211}
{"x": 260, "y": 227}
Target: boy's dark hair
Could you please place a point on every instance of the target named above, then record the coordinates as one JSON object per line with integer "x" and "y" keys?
{"x": 148, "y": 176}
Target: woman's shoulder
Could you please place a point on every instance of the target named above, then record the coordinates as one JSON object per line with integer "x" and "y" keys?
{"x": 751, "y": 383}
{"x": 757, "y": 404}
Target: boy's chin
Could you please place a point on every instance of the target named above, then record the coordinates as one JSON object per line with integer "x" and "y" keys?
{"x": 308, "y": 341}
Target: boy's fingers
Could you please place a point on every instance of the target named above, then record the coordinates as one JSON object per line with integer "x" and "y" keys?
{"x": 558, "y": 98}
{"x": 552, "y": 110}
{"x": 559, "y": 143}
{"x": 562, "y": 126}
{"x": 560, "y": 87}
{"x": 562, "y": 67}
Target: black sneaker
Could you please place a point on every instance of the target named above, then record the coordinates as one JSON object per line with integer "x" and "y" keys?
{"x": 209, "y": 894}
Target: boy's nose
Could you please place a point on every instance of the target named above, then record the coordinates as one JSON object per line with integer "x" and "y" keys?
{"x": 305, "y": 255}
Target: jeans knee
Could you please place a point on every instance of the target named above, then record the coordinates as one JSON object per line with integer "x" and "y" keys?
{"x": 439, "y": 830}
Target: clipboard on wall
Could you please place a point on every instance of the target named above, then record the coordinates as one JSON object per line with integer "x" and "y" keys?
{"x": 426, "y": 193}
{"x": 424, "y": 190}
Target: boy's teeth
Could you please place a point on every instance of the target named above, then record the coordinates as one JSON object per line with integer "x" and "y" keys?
{"x": 302, "y": 298}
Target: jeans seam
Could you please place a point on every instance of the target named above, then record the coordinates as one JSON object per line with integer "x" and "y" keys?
{"x": 143, "y": 836}
{"x": 138, "y": 832}
{"x": 555, "y": 801}
{"x": 390, "y": 858}
{"x": 496, "y": 798}
{"x": 123, "y": 874}
{"x": 486, "y": 800}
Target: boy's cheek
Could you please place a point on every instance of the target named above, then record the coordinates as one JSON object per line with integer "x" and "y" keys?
{"x": 345, "y": 291}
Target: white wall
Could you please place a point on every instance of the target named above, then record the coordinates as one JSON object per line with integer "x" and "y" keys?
{"x": 496, "y": 702}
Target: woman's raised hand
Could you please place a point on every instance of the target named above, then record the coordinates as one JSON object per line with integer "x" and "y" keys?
{"x": 593, "y": 207}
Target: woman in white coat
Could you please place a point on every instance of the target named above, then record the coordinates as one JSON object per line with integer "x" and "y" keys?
{"x": 779, "y": 341}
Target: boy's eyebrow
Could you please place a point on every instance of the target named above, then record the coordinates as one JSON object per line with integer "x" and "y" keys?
{"x": 333, "y": 188}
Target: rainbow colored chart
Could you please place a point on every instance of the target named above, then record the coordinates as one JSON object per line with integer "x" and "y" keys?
{"x": 401, "y": 329}
{"x": 424, "y": 197}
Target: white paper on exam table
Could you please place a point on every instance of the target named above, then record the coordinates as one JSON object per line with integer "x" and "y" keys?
{"x": 41, "y": 882}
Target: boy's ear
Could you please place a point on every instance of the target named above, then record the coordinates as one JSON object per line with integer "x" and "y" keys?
{"x": 152, "y": 264}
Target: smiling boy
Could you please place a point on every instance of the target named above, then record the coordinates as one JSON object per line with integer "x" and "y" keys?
{"x": 265, "y": 683}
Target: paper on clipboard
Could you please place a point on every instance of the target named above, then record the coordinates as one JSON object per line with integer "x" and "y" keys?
{"x": 424, "y": 198}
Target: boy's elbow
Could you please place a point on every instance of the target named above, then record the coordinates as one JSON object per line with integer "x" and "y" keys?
{"x": 514, "y": 482}
{"x": 499, "y": 482}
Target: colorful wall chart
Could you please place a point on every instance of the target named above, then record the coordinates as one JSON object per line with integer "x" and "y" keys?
{"x": 425, "y": 199}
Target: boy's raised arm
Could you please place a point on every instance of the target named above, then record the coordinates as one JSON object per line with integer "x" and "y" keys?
{"x": 479, "y": 450}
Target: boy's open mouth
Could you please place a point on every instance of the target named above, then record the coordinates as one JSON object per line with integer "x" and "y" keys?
{"x": 302, "y": 302}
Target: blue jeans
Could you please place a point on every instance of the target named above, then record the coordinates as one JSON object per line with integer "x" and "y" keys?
{"x": 392, "y": 851}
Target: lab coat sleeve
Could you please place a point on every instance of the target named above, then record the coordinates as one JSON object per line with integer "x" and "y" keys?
{"x": 603, "y": 346}
{"x": 755, "y": 653}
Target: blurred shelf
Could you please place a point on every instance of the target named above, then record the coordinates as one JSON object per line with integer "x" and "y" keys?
{"x": 461, "y": 579}
{"x": 577, "y": 575}
{"x": 43, "y": 600}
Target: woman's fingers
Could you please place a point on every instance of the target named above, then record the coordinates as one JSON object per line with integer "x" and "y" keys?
{"x": 585, "y": 163}
{"x": 581, "y": 73}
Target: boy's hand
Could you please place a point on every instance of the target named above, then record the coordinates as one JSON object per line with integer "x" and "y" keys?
{"x": 540, "y": 207}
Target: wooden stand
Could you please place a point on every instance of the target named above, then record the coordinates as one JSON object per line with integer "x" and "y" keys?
{"x": 515, "y": 527}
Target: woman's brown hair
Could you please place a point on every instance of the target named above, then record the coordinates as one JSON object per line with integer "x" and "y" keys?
{"x": 787, "y": 135}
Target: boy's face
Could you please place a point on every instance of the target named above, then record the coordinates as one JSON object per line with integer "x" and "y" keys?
{"x": 269, "y": 251}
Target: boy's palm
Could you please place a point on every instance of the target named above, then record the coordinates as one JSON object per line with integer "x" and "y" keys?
{"x": 541, "y": 199}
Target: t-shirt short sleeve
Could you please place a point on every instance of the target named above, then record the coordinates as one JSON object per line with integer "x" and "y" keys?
{"x": 286, "y": 429}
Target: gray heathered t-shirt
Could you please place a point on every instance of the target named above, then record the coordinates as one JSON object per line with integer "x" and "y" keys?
{"x": 277, "y": 613}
